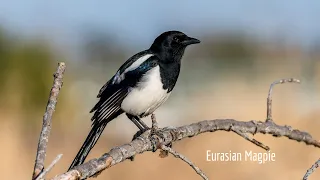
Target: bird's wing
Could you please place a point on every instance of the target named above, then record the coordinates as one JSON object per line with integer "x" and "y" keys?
{"x": 117, "y": 88}
{"x": 109, "y": 103}
{"x": 131, "y": 64}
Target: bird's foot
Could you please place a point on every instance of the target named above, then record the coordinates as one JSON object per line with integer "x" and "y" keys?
{"x": 155, "y": 133}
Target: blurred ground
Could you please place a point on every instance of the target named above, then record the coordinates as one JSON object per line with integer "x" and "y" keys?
{"x": 227, "y": 76}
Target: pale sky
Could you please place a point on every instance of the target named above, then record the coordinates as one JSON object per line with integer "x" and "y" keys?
{"x": 142, "y": 20}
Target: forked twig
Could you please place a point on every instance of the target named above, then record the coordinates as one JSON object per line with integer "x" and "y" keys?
{"x": 54, "y": 162}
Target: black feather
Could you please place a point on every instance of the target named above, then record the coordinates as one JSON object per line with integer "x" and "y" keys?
{"x": 92, "y": 139}
{"x": 107, "y": 109}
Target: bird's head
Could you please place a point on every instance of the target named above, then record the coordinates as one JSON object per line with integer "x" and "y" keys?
{"x": 170, "y": 45}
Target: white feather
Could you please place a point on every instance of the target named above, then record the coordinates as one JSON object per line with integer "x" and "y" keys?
{"x": 147, "y": 96}
{"x": 138, "y": 62}
{"x": 119, "y": 77}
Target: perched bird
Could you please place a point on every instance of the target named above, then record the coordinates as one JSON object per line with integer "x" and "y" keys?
{"x": 139, "y": 87}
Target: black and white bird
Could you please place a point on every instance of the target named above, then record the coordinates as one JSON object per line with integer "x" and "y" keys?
{"x": 139, "y": 87}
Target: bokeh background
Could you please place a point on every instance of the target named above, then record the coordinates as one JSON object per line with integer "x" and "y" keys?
{"x": 245, "y": 46}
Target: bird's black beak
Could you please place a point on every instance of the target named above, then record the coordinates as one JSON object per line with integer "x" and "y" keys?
{"x": 190, "y": 40}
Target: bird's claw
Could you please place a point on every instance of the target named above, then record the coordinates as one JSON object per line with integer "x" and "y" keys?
{"x": 156, "y": 136}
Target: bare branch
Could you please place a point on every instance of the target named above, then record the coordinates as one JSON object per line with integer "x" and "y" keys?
{"x": 168, "y": 135}
{"x": 46, "y": 124}
{"x": 269, "y": 99}
{"x": 311, "y": 170}
{"x": 162, "y": 138}
{"x": 54, "y": 162}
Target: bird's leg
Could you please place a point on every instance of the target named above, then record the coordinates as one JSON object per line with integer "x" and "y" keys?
{"x": 134, "y": 120}
{"x": 145, "y": 126}
{"x": 154, "y": 122}
{"x": 154, "y": 126}
{"x": 141, "y": 125}
{"x": 154, "y": 131}
{"x": 137, "y": 124}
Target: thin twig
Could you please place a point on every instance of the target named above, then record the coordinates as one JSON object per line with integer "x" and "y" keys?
{"x": 254, "y": 141}
{"x": 312, "y": 169}
{"x": 54, "y": 162}
{"x": 269, "y": 99}
{"x": 183, "y": 158}
{"x": 46, "y": 124}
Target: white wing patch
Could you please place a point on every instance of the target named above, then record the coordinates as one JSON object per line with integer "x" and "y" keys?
{"x": 138, "y": 62}
{"x": 119, "y": 77}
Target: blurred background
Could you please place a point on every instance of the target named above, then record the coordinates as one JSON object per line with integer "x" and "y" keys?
{"x": 246, "y": 45}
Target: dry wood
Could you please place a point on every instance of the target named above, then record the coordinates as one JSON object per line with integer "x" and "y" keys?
{"x": 46, "y": 123}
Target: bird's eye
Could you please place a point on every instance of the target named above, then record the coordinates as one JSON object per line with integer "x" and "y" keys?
{"x": 176, "y": 39}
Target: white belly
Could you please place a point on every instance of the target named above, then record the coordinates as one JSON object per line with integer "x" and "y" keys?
{"x": 147, "y": 96}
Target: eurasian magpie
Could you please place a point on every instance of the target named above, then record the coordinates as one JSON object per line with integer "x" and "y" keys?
{"x": 139, "y": 87}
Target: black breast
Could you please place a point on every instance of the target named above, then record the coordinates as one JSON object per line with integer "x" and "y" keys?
{"x": 169, "y": 73}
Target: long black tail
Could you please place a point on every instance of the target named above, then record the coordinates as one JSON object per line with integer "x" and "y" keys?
{"x": 92, "y": 139}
